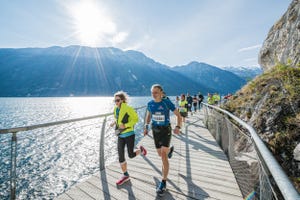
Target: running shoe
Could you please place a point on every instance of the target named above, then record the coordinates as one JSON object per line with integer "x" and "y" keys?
{"x": 170, "y": 154}
{"x": 160, "y": 190}
{"x": 122, "y": 180}
{"x": 143, "y": 150}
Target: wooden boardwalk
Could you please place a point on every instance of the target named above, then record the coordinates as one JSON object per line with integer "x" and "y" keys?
{"x": 198, "y": 170}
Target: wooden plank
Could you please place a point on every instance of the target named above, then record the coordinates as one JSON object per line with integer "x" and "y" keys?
{"x": 198, "y": 170}
{"x": 64, "y": 196}
{"x": 77, "y": 193}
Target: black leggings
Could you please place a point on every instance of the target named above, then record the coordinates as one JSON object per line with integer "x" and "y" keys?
{"x": 129, "y": 141}
{"x": 195, "y": 106}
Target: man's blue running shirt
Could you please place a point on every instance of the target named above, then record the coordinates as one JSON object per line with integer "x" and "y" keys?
{"x": 160, "y": 112}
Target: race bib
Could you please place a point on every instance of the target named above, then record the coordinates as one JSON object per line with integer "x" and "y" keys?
{"x": 158, "y": 117}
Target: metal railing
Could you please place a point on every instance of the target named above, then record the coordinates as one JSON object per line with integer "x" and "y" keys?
{"x": 255, "y": 168}
{"x": 15, "y": 131}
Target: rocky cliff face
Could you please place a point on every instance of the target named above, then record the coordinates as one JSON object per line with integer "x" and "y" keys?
{"x": 271, "y": 102}
{"x": 283, "y": 41}
{"x": 271, "y": 105}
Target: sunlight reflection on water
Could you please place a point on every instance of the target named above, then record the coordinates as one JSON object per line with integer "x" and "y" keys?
{"x": 50, "y": 160}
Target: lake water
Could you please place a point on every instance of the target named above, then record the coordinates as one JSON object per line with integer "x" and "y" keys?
{"x": 50, "y": 160}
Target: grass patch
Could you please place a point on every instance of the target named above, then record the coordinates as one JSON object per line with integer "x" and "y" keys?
{"x": 271, "y": 104}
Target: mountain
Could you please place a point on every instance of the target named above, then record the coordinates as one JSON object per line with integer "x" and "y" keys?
{"x": 85, "y": 71}
{"x": 218, "y": 80}
{"x": 246, "y": 73}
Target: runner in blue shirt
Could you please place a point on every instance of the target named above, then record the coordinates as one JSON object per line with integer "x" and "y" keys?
{"x": 158, "y": 112}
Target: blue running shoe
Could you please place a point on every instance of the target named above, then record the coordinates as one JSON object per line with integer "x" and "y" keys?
{"x": 170, "y": 154}
{"x": 160, "y": 190}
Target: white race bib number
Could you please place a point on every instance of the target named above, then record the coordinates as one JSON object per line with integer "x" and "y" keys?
{"x": 158, "y": 117}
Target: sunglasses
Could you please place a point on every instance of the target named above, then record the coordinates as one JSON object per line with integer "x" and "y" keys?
{"x": 117, "y": 100}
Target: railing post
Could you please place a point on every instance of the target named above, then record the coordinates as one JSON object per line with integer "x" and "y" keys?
{"x": 230, "y": 140}
{"x": 13, "y": 166}
{"x": 101, "y": 156}
{"x": 287, "y": 190}
{"x": 260, "y": 185}
{"x": 218, "y": 131}
{"x": 205, "y": 116}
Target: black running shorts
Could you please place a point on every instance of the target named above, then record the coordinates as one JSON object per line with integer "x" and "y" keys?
{"x": 183, "y": 114}
{"x": 162, "y": 136}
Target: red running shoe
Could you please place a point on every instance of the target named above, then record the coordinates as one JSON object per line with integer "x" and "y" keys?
{"x": 143, "y": 150}
{"x": 122, "y": 180}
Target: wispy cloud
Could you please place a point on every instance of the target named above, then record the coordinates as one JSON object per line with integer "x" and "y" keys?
{"x": 119, "y": 37}
{"x": 250, "y": 48}
{"x": 135, "y": 46}
{"x": 144, "y": 42}
{"x": 250, "y": 59}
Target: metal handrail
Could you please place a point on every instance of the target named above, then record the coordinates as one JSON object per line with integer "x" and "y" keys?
{"x": 283, "y": 182}
{"x": 14, "y": 132}
{"x": 32, "y": 127}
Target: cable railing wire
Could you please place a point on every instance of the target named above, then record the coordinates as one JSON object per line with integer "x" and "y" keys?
{"x": 265, "y": 179}
{"x": 19, "y": 130}
{"x": 255, "y": 168}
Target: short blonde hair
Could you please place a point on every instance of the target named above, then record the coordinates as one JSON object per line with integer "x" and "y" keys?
{"x": 123, "y": 96}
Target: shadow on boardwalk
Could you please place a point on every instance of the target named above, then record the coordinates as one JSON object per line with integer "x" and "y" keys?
{"x": 198, "y": 170}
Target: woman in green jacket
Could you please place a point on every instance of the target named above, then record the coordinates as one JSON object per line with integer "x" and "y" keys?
{"x": 125, "y": 119}
{"x": 183, "y": 104}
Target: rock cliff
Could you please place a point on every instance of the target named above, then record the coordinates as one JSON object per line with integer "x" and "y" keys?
{"x": 271, "y": 102}
{"x": 282, "y": 44}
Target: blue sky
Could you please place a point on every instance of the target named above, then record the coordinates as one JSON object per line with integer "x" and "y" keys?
{"x": 172, "y": 32}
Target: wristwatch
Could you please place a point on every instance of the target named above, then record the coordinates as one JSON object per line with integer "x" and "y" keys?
{"x": 146, "y": 126}
{"x": 178, "y": 127}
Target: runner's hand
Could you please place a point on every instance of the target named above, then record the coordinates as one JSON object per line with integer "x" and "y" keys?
{"x": 176, "y": 130}
{"x": 112, "y": 124}
{"x": 145, "y": 132}
{"x": 122, "y": 126}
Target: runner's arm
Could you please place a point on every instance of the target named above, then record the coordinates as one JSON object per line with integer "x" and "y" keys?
{"x": 178, "y": 126}
{"x": 147, "y": 122}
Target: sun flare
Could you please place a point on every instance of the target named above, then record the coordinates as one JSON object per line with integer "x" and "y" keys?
{"x": 91, "y": 23}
